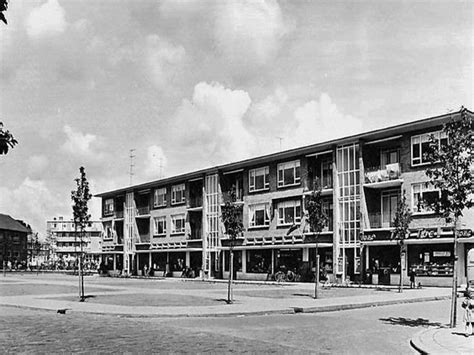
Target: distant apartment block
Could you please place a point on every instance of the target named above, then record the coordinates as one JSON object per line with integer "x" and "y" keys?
{"x": 66, "y": 240}
{"x": 175, "y": 222}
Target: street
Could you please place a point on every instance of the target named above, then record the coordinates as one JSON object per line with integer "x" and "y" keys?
{"x": 386, "y": 329}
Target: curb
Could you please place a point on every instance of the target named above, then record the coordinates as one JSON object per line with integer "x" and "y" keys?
{"x": 289, "y": 310}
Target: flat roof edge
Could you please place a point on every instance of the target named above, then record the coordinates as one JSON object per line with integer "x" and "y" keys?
{"x": 390, "y": 130}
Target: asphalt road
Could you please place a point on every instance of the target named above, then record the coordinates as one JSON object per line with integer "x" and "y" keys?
{"x": 377, "y": 330}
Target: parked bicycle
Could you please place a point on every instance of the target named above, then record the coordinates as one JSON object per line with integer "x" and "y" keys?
{"x": 285, "y": 275}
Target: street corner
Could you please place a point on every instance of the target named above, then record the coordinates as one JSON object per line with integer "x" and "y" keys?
{"x": 443, "y": 340}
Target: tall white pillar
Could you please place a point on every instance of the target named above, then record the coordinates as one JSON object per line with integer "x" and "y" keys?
{"x": 244, "y": 261}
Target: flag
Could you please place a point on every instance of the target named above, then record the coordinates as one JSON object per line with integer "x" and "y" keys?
{"x": 291, "y": 229}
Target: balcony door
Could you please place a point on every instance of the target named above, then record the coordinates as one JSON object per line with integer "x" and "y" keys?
{"x": 390, "y": 201}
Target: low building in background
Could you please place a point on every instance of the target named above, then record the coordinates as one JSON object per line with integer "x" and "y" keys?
{"x": 67, "y": 243}
{"x": 13, "y": 243}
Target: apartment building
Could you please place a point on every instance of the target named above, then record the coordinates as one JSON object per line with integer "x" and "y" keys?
{"x": 175, "y": 222}
{"x": 66, "y": 242}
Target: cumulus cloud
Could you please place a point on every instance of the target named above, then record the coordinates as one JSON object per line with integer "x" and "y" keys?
{"x": 155, "y": 162}
{"x": 46, "y": 20}
{"x": 319, "y": 120}
{"x": 78, "y": 143}
{"x": 163, "y": 59}
{"x": 212, "y": 121}
{"x": 31, "y": 201}
{"x": 249, "y": 30}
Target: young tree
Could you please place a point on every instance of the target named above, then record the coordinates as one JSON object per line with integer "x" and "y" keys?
{"x": 81, "y": 217}
{"x": 317, "y": 220}
{"x": 230, "y": 215}
{"x": 451, "y": 174}
{"x": 6, "y": 140}
{"x": 401, "y": 222}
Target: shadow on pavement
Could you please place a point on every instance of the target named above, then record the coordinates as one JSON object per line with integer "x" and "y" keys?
{"x": 408, "y": 322}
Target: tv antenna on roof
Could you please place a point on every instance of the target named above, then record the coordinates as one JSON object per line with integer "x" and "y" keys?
{"x": 281, "y": 140}
{"x": 131, "y": 165}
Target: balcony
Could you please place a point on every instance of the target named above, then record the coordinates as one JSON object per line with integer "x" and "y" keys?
{"x": 380, "y": 178}
{"x": 195, "y": 202}
{"x": 238, "y": 196}
{"x": 118, "y": 214}
{"x": 378, "y": 220}
{"x": 142, "y": 211}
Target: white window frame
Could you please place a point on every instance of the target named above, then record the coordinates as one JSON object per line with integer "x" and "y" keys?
{"x": 174, "y": 218}
{"x": 257, "y": 172}
{"x": 259, "y": 207}
{"x": 288, "y": 204}
{"x": 423, "y": 138}
{"x": 159, "y": 192}
{"x": 108, "y": 206}
{"x": 424, "y": 187}
{"x": 174, "y": 190}
{"x": 287, "y": 166}
{"x": 156, "y": 221}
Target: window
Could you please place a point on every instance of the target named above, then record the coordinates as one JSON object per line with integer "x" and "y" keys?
{"x": 326, "y": 174}
{"x": 108, "y": 207}
{"x": 424, "y": 195}
{"x": 159, "y": 197}
{"x": 388, "y": 156}
{"x": 329, "y": 211}
{"x": 390, "y": 200}
{"x": 289, "y": 173}
{"x": 160, "y": 225}
{"x": 259, "y": 215}
{"x": 420, "y": 144}
{"x": 177, "y": 194}
{"x": 177, "y": 224}
{"x": 289, "y": 212}
{"x": 258, "y": 179}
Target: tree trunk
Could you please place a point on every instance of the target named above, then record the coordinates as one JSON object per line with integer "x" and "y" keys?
{"x": 452, "y": 322}
{"x": 316, "y": 276}
{"x": 400, "y": 287}
{"x": 231, "y": 277}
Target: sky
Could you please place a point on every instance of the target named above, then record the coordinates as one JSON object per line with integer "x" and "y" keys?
{"x": 194, "y": 84}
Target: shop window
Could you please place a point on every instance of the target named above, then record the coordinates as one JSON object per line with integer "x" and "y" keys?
{"x": 259, "y": 215}
{"x": 159, "y": 225}
{"x": 289, "y": 173}
{"x": 420, "y": 145}
{"x": 259, "y": 261}
{"x": 425, "y": 195}
{"x": 435, "y": 260}
{"x": 258, "y": 179}
{"x": 289, "y": 212}
{"x": 178, "y": 224}
{"x": 159, "y": 197}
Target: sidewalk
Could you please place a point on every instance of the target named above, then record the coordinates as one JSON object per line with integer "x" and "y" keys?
{"x": 209, "y": 301}
{"x": 443, "y": 341}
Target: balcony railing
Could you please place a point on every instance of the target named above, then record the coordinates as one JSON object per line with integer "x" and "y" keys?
{"x": 143, "y": 211}
{"x": 377, "y": 174}
{"x": 377, "y": 220}
{"x": 238, "y": 196}
{"x": 325, "y": 183}
{"x": 195, "y": 202}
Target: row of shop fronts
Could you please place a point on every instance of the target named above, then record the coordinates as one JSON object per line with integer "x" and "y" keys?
{"x": 430, "y": 255}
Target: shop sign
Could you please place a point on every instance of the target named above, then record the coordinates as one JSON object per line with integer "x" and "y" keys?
{"x": 464, "y": 233}
{"x": 427, "y": 233}
{"x": 442, "y": 253}
{"x": 369, "y": 237}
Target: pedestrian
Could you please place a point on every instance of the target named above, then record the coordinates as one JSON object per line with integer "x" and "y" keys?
{"x": 468, "y": 305}
{"x": 145, "y": 270}
{"x": 412, "y": 278}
